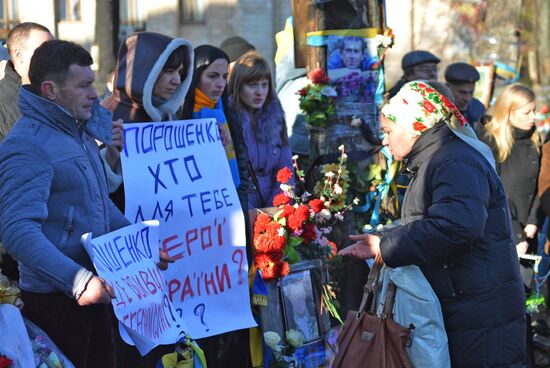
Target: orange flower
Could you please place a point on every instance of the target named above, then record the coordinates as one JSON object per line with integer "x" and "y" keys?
{"x": 287, "y": 211}
{"x": 261, "y": 223}
{"x": 297, "y": 219}
{"x": 284, "y": 175}
{"x": 266, "y": 265}
{"x": 280, "y": 199}
{"x": 271, "y": 265}
{"x": 284, "y": 269}
{"x": 316, "y": 205}
{"x": 334, "y": 249}
{"x": 270, "y": 240}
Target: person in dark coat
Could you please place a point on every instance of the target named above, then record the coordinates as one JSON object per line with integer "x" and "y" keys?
{"x": 455, "y": 226}
{"x": 511, "y": 133}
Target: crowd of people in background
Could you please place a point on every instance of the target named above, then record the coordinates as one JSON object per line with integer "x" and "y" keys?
{"x": 457, "y": 211}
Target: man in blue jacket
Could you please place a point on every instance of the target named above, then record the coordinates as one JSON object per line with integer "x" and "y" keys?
{"x": 53, "y": 190}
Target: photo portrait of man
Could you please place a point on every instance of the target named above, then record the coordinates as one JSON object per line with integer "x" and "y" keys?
{"x": 299, "y": 305}
{"x": 349, "y": 68}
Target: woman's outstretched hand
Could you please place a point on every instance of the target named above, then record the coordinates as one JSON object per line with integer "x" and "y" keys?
{"x": 366, "y": 246}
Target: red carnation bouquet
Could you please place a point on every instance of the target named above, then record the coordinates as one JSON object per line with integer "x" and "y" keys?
{"x": 299, "y": 226}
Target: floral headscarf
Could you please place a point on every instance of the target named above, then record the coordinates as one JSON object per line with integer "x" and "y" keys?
{"x": 417, "y": 107}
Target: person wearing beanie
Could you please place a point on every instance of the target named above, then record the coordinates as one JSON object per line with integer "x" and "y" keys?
{"x": 461, "y": 79}
{"x": 234, "y": 47}
{"x": 416, "y": 65}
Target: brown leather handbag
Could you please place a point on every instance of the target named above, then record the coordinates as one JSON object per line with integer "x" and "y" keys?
{"x": 368, "y": 340}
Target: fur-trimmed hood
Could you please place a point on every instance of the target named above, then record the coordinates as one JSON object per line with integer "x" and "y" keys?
{"x": 141, "y": 58}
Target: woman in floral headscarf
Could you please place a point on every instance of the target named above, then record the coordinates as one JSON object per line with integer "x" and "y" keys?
{"x": 455, "y": 227}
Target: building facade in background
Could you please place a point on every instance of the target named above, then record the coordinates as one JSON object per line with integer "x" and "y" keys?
{"x": 454, "y": 30}
{"x": 199, "y": 21}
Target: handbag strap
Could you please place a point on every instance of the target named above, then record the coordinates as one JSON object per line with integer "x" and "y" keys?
{"x": 389, "y": 302}
{"x": 372, "y": 278}
{"x": 370, "y": 290}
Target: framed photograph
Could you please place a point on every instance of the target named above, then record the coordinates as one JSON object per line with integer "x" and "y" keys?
{"x": 349, "y": 65}
{"x": 484, "y": 86}
{"x": 353, "y": 71}
{"x": 299, "y": 306}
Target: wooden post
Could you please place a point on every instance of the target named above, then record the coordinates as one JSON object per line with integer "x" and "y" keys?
{"x": 317, "y": 56}
{"x": 317, "y": 15}
{"x": 105, "y": 38}
{"x": 301, "y": 26}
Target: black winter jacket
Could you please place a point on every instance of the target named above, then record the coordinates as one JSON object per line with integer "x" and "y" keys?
{"x": 519, "y": 174}
{"x": 457, "y": 229}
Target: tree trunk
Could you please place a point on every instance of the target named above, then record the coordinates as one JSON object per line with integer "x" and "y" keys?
{"x": 502, "y": 22}
{"x": 542, "y": 44}
{"x": 106, "y": 37}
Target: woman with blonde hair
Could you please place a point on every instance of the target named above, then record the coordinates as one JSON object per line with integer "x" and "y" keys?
{"x": 254, "y": 107}
{"x": 511, "y": 133}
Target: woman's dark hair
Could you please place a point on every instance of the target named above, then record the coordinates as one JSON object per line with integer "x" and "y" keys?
{"x": 178, "y": 57}
{"x": 205, "y": 55}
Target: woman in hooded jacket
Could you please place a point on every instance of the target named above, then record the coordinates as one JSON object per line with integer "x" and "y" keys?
{"x": 152, "y": 77}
